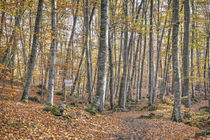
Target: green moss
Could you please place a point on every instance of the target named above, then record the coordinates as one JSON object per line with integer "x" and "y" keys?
{"x": 149, "y": 108}
{"x": 24, "y": 101}
{"x": 92, "y": 109}
{"x": 48, "y": 108}
{"x": 188, "y": 123}
{"x": 12, "y": 124}
{"x": 152, "y": 108}
{"x": 56, "y": 111}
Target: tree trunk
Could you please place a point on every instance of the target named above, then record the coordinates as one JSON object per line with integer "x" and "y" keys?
{"x": 143, "y": 58}
{"x": 52, "y": 68}
{"x": 176, "y": 116}
{"x": 102, "y": 56}
{"x": 192, "y": 54}
{"x": 123, "y": 94}
{"x": 111, "y": 78}
{"x": 151, "y": 52}
{"x": 185, "y": 58}
{"x": 88, "y": 60}
{"x": 32, "y": 60}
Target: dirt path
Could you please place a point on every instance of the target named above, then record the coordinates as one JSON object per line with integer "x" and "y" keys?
{"x": 152, "y": 129}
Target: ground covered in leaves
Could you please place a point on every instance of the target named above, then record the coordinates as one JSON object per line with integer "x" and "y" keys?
{"x": 19, "y": 120}
{"x": 29, "y": 121}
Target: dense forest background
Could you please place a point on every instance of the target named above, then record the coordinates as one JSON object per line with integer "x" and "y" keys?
{"x": 108, "y": 52}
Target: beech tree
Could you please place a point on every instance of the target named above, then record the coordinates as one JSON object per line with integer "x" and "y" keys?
{"x": 102, "y": 56}
{"x": 53, "y": 56}
{"x": 176, "y": 115}
{"x": 33, "y": 55}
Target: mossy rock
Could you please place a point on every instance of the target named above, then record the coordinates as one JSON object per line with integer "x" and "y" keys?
{"x": 150, "y": 116}
{"x": 34, "y": 99}
{"x": 24, "y": 101}
{"x": 56, "y": 110}
{"x": 92, "y": 109}
{"x": 188, "y": 123}
{"x": 152, "y": 108}
{"x": 149, "y": 108}
{"x": 48, "y": 108}
{"x": 60, "y": 93}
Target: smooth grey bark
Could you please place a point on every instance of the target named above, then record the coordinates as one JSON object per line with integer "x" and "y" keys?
{"x": 192, "y": 53}
{"x": 159, "y": 48}
{"x": 123, "y": 94}
{"x": 102, "y": 56}
{"x": 176, "y": 115}
{"x": 166, "y": 69}
{"x": 143, "y": 58}
{"x": 135, "y": 53}
{"x": 52, "y": 68}
{"x": 138, "y": 49}
{"x": 205, "y": 67}
{"x": 32, "y": 60}
{"x": 2, "y": 23}
{"x": 111, "y": 71}
{"x": 119, "y": 65}
{"x": 87, "y": 50}
{"x": 81, "y": 60}
{"x": 70, "y": 42}
{"x": 185, "y": 58}
{"x": 151, "y": 52}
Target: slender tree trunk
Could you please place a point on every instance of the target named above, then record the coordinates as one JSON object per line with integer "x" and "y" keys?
{"x": 111, "y": 77}
{"x": 32, "y": 60}
{"x": 205, "y": 67}
{"x": 176, "y": 116}
{"x": 192, "y": 53}
{"x": 143, "y": 58}
{"x": 52, "y": 68}
{"x": 185, "y": 58}
{"x": 151, "y": 52}
{"x": 123, "y": 94}
{"x": 102, "y": 56}
{"x": 88, "y": 61}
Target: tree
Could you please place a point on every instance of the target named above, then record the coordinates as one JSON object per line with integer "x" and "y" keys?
{"x": 151, "y": 51}
{"x": 123, "y": 94}
{"x": 88, "y": 59}
{"x": 51, "y": 82}
{"x": 176, "y": 115}
{"x": 185, "y": 59}
{"x": 32, "y": 59}
{"x": 102, "y": 56}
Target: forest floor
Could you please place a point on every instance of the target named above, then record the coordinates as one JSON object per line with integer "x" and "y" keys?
{"x": 19, "y": 120}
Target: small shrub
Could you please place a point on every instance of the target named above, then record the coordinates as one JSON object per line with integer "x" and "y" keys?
{"x": 34, "y": 99}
